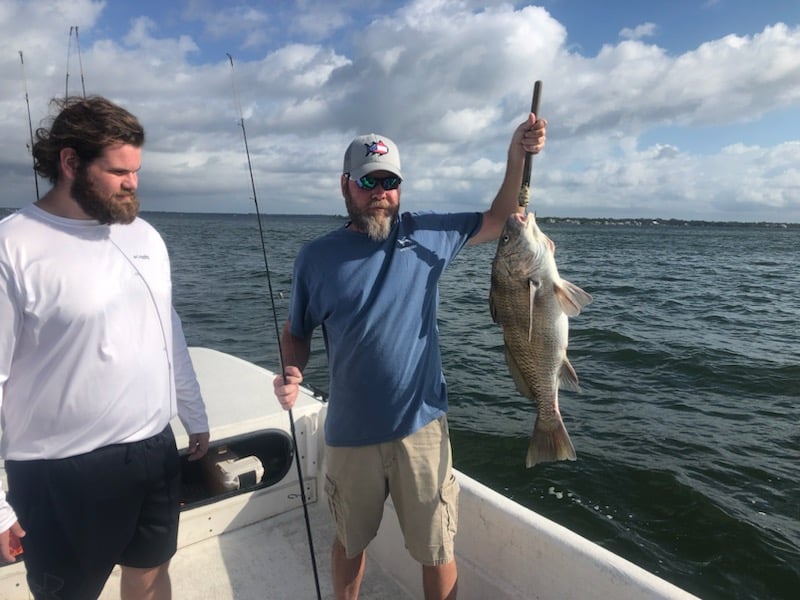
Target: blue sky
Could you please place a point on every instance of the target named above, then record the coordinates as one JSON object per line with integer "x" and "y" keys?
{"x": 673, "y": 109}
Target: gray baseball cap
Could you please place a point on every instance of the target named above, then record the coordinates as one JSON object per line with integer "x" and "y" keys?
{"x": 371, "y": 152}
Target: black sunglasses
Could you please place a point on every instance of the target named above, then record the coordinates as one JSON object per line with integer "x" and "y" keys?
{"x": 367, "y": 182}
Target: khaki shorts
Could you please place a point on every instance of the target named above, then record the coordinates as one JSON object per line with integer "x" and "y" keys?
{"x": 417, "y": 472}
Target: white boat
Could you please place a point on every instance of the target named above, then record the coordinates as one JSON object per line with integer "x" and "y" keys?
{"x": 251, "y": 543}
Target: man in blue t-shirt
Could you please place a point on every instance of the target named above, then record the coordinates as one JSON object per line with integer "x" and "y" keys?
{"x": 373, "y": 288}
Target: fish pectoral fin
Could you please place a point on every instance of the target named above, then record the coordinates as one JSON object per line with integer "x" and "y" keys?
{"x": 571, "y": 298}
{"x": 517, "y": 376}
{"x": 531, "y": 300}
{"x": 567, "y": 378}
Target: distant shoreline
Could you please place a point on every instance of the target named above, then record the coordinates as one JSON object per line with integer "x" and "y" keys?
{"x": 630, "y": 222}
{"x": 606, "y": 221}
{"x": 642, "y": 222}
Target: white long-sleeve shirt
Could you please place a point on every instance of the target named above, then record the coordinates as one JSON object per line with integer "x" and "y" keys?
{"x": 91, "y": 351}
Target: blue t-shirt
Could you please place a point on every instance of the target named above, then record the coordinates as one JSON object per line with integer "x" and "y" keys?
{"x": 376, "y": 303}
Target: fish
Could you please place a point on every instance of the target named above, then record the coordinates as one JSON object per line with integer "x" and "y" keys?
{"x": 532, "y": 304}
{"x": 380, "y": 148}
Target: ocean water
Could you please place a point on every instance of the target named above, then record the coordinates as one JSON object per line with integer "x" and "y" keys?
{"x": 687, "y": 428}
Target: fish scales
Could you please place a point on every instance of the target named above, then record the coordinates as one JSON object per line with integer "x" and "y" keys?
{"x": 532, "y": 304}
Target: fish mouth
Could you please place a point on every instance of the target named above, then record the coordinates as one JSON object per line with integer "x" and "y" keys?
{"x": 520, "y": 220}
{"x": 527, "y": 221}
{"x": 522, "y": 217}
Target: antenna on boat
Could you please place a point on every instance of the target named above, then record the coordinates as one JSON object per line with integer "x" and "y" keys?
{"x": 277, "y": 328}
{"x": 525, "y": 189}
{"x": 80, "y": 61}
{"x": 30, "y": 123}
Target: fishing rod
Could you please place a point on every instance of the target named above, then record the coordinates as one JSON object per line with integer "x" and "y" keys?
{"x": 525, "y": 189}
{"x": 277, "y": 329}
{"x": 30, "y": 123}
{"x": 66, "y": 70}
{"x": 80, "y": 61}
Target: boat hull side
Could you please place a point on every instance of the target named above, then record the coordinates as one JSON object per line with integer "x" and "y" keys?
{"x": 506, "y": 551}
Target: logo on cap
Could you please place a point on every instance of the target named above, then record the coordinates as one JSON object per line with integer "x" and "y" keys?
{"x": 378, "y": 148}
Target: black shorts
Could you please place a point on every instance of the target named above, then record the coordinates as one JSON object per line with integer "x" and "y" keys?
{"x": 84, "y": 514}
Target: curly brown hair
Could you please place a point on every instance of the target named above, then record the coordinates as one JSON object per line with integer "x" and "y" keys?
{"x": 87, "y": 125}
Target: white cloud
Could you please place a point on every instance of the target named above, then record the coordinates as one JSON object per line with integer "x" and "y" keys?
{"x": 447, "y": 80}
{"x": 638, "y": 32}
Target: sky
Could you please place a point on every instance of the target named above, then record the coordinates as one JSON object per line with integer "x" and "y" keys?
{"x": 665, "y": 109}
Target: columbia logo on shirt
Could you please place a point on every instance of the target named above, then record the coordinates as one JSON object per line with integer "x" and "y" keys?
{"x": 405, "y": 243}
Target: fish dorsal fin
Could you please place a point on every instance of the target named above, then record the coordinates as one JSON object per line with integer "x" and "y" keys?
{"x": 492, "y": 307}
{"x": 516, "y": 374}
{"x": 571, "y": 298}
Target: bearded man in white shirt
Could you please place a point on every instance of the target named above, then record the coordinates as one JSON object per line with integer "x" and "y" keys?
{"x": 93, "y": 366}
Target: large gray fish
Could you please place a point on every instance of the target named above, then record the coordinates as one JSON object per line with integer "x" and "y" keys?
{"x": 531, "y": 303}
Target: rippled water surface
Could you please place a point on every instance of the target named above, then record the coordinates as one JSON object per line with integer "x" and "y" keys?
{"x": 687, "y": 427}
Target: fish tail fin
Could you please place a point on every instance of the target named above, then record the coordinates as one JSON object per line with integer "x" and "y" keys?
{"x": 548, "y": 445}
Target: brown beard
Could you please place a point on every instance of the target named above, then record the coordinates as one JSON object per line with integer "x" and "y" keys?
{"x": 118, "y": 208}
{"x": 377, "y": 227}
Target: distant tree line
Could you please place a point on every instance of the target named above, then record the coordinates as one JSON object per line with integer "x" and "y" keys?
{"x": 643, "y": 222}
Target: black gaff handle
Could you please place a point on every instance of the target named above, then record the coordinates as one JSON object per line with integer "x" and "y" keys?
{"x": 525, "y": 189}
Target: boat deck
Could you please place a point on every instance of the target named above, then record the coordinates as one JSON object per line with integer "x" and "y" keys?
{"x": 252, "y": 543}
{"x": 252, "y": 546}
{"x": 268, "y": 560}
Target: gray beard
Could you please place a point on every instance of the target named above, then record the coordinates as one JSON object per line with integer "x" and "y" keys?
{"x": 377, "y": 227}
